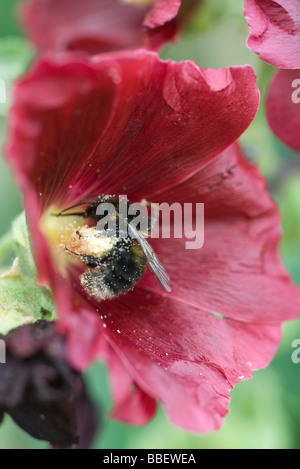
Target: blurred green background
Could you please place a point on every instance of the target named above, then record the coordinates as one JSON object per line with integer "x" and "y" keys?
{"x": 264, "y": 411}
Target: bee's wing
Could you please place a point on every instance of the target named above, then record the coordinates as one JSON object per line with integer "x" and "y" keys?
{"x": 153, "y": 261}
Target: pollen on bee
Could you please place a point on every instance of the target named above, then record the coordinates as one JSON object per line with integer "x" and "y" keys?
{"x": 84, "y": 241}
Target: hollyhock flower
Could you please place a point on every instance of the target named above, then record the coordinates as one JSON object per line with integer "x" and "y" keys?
{"x": 41, "y": 392}
{"x": 274, "y": 31}
{"x": 129, "y": 123}
{"x": 96, "y": 26}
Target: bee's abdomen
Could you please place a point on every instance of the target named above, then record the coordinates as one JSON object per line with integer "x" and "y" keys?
{"x": 118, "y": 274}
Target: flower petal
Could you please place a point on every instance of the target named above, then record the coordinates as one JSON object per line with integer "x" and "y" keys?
{"x": 158, "y": 348}
{"x": 166, "y": 19}
{"x": 187, "y": 359}
{"x": 97, "y": 26}
{"x": 283, "y": 106}
{"x": 162, "y": 12}
{"x": 146, "y": 123}
{"x": 131, "y": 403}
{"x": 238, "y": 272}
{"x": 69, "y": 98}
{"x": 274, "y": 31}
{"x": 93, "y": 26}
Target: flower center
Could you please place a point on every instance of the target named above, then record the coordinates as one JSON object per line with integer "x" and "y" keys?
{"x": 59, "y": 232}
{"x": 115, "y": 260}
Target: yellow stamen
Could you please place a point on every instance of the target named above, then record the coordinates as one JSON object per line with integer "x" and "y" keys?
{"x": 58, "y": 232}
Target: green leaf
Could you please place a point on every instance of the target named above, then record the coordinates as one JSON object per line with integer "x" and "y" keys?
{"x": 22, "y": 300}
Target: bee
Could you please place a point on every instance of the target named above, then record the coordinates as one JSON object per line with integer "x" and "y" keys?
{"x": 115, "y": 263}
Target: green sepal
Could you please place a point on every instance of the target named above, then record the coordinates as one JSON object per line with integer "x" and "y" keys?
{"x": 22, "y": 300}
{"x": 22, "y": 246}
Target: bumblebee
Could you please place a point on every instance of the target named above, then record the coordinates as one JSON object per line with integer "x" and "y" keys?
{"x": 115, "y": 263}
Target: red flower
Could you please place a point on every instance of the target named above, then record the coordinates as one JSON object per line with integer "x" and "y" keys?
{"x": 130, "y": 123}
{"x": 274, "y": 31}
{"x": 96, "y": 26}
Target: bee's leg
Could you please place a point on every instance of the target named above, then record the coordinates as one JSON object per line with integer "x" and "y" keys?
{"x": 91, "y": 261}
{"x": 63, "y": 214}
{"x": 73, "y": 214}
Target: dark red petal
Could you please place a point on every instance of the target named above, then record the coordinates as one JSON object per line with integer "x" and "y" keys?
{"x": 283, "y": 106}
{"x": 137, "y": 409}
{"x": 123, "y": 122}
{"x": 238, "y": 272}
{"x": 187, "y": 359}
{"x": 83, "y": 327}
{"x": 92, "y": 26}
{"x": 131, "y": 404}
{"x": 274, "y": 31}
{"x": 74, "y": 100}
{"x": 157, "y": 347}
{"x": 87, "y": 341}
